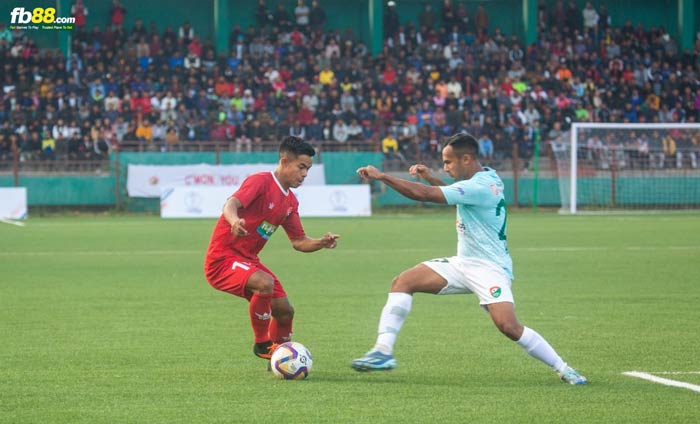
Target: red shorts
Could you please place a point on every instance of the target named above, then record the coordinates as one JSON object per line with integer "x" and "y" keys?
{"x": 232, "y": 274}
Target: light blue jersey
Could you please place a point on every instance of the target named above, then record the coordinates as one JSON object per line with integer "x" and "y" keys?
{"x": 481, "y": 218}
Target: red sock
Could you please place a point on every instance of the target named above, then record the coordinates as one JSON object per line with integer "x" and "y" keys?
{"x": 260, "y": 315}
{"x": 280, "y": 332}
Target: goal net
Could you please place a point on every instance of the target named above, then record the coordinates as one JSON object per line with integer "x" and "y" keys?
{"x": 606, "y": 166}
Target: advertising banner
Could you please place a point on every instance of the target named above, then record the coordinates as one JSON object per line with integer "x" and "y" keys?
{"x": 13, "y": 203}
{"x": 148, "y": 180}
{"x": 314, "y": 201}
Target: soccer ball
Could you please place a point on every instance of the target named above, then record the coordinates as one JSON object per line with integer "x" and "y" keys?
{"x": 291, "y": 361}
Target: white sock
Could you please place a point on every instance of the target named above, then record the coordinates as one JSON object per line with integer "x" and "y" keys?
{"x": 537, "y": 347}
{"x": 395, "y": 311}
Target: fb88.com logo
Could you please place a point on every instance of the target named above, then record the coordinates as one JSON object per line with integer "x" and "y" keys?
{"x": 38, "y": 15}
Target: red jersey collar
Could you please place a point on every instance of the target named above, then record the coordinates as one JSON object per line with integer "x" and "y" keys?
{"x": 274, "y": 177}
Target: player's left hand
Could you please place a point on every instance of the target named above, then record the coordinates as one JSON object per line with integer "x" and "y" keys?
{"x": 330, "y": 240}
{"x": 369, "y": 172}
{"x": 420, "y": 170}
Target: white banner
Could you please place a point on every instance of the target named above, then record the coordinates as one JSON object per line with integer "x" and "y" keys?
{"x": 334, "y": 200}
{"x": 148, "y": 180}
{"x": 13, "y": 202}
{"x": 314, "y": 201}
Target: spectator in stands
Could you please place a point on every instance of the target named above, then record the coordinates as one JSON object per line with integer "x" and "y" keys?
{"x": 5, "y": 147}
{"x": 102, "y": 147}
{"x": 485, "y": 146}
{"x": 297, "y": 130}
{"x": 30, "y": 145}
{"x": 5, "y": 36}
{"x": 158, "y": 131}
{"x": 144, "y": 131}
{"x": 262, "y": 15}
{"x": 301, "y": 13}
{"x": 80, "y": 12}
{"x": 354, "y": 131}
{"x": 481, "y": 21}
{"x": 202, "y": 131}
{"x": 340, "y": 131}
{"x": 185, "y": 33}
{"x": 256, "y": 132}
{"x": 75, "y": 147}
{"x": 590, "y": 18}
{"x": 427, "y": 18}
{"x": 391, "y": 19}
{"x": 317, "y": 16}
{"x": 172, "y": 136}
{"x": 669, "y": 150}
{"x": 117, "y": 14}
{"x": 281, "y": 18}
{"x": 390, "y": 149}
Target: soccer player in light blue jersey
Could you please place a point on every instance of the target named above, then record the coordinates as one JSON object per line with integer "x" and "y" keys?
{"x": 482, "y": 266}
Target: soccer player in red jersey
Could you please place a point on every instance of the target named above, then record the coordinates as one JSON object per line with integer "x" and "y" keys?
{"x": 250, "y": 216}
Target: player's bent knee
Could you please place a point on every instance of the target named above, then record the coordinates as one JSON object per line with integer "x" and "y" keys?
{"x": 401, "y": 284}
{"x": 511, "y": 329}
{"x": 260, "y": 282}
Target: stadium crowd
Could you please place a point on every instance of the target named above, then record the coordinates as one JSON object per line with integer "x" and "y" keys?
{"x": 449, "y": 70}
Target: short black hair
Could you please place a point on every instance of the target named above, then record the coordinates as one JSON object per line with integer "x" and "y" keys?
{"x": 463, "y": 144}
{"x": 296, "y": 146}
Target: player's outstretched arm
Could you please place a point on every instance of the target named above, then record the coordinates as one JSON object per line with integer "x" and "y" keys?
{"x": 424, "y": 172}
{"x": 414, "y": 191}
{"x": 307, "y": 245}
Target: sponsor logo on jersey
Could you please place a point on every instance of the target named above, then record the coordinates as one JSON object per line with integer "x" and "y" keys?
{"x": 495, "y": 291}
{"x": 271, "y": 205}
{"x": 265, "y": 229}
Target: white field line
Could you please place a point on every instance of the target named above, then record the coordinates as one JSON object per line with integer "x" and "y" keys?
{"x": 676, "y": 372}
{"x": 661, "y": 380}
{"x": 601, "y": 248}
{"x": 347, "y": 251}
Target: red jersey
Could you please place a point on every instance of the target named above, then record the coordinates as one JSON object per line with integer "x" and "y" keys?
{"x": 264, "y": 206}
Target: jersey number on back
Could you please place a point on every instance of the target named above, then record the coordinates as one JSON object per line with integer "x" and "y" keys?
{"x": 499, "y": 206}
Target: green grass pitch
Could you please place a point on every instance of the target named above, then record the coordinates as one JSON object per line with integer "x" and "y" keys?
{"x": 109, "y": 320}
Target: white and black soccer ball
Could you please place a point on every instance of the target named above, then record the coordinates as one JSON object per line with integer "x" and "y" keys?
{"x": 291, "y": 361}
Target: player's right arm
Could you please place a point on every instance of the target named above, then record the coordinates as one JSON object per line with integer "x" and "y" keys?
{"x": 230, "y": 213}
{"x": 410, "y": 189}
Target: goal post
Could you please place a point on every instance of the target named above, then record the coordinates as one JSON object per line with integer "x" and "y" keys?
{"x": 614, "y": 166}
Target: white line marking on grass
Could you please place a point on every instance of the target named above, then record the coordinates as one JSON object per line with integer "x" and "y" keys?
{"x": 661, "y": 380}
{"x": 601, "y": 248}
{"x": 561, "y": 249}
{"x": 676, "y": 372}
